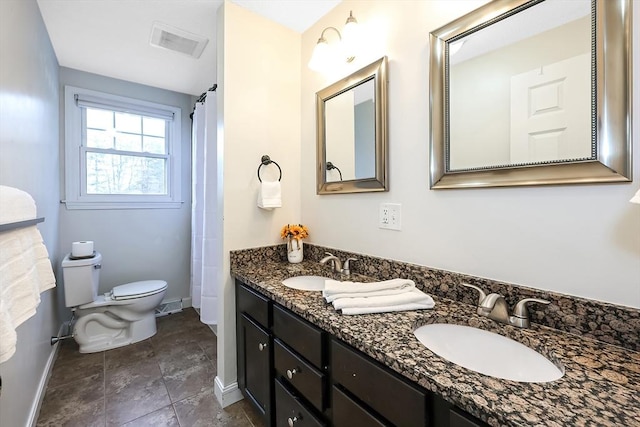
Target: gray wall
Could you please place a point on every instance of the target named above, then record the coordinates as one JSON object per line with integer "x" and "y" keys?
{"x": 136, "y": 244}
{"x": 29, "y": 161}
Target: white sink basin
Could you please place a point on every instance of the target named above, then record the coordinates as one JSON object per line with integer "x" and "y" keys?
{"x": 305, "y": 283}
{"x": 487, "y": 353}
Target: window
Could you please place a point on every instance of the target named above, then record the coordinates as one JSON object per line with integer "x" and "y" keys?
{"x": 120, "y": 153}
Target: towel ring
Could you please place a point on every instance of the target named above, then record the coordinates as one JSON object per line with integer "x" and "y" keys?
{"x": 266, "y": 161}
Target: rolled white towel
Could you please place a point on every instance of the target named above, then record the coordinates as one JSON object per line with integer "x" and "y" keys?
{"x": 384, "y": 309}
{"x": 414, "y": 296}
{"x": 332, "y": 287}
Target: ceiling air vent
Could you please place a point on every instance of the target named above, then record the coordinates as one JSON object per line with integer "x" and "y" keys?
{"x": 167, "y": 37}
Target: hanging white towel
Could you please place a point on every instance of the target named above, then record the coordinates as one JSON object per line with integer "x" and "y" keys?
{"x": 25, "y": 269}
{"x": 270, "y": 195}
{"x": 414, "y": 296}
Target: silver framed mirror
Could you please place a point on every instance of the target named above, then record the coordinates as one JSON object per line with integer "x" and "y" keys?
{"x": 351, "y": 132}
{"x": 532, "y": 92}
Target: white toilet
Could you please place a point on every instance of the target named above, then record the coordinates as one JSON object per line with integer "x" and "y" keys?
{"x": 123, "y": 316}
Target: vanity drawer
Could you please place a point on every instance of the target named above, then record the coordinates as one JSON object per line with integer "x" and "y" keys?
{"x": 306, "y": 379}
{"x": 253, "y": 304}
{"x": 395, "y": 399}
{"x": 348, "y": 413}
{"x": 298, "y": 334}
{"x": 290, "y": 411}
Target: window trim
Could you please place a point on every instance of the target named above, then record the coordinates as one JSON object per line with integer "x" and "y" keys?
{"x": 74, "y": 164}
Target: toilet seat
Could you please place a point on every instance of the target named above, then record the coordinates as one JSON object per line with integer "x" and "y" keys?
{"x": 138, "y": 289}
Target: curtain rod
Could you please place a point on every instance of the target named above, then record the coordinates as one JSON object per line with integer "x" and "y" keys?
{"x": 203, "y": 96}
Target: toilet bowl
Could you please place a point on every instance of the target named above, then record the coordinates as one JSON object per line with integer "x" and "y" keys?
{"x": 122, "y": 316}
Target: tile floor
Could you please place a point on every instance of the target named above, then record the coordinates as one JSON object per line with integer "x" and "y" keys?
{"x": 166, "y": 380}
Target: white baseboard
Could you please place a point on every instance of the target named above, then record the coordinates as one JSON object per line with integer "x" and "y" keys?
{"x": 44, "y": 380}
{"x": 227, "y": 395}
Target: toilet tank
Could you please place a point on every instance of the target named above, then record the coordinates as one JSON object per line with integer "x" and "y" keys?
{"x": 81, "y": 278}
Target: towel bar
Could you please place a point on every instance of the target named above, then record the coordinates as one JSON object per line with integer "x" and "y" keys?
{"x": 20, "y": 224}
{"x": 266, "y": 161}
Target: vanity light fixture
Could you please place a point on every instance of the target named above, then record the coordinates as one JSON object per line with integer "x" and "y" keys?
{"x": 343, "y": 49}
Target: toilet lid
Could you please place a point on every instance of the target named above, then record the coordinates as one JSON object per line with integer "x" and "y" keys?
{"x": 138, "y": 289}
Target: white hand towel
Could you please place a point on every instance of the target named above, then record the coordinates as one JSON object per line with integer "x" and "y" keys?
{"x": 414, "y": 296}
{"x": 332, "y": 287}
{"x": 383, "y": 309}
{"x": 333, "y": 297}
{"x": 270, "y": 195}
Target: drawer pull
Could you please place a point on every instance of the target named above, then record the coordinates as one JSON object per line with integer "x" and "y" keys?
{"x": 262, "y": 346}
{"x": 292, "y": 421}
{"x": 292, "y": 372}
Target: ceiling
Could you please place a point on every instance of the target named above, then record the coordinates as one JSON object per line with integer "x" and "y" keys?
{"x": 111, "y": 37}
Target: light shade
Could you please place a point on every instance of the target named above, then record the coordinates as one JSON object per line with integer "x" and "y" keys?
{"x": 321, "y": 56}
{"x": 343, "y": 50}
{"x": 350, "y": 38}
{"x": 636, "y": 198}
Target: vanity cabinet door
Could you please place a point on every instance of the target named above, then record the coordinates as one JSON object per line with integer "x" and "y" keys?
{"x": 447, "y": 415}
{"x": 459, "y": 419}
{"x": 348, "y": 413}
{"x": 254, "y": 365}
{"x": 375, "y": 385}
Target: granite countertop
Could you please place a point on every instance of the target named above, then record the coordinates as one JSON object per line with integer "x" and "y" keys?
{"x": 601, "y": 385}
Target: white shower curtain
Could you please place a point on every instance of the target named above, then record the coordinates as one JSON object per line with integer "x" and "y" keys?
{"x": 206, "y": 246}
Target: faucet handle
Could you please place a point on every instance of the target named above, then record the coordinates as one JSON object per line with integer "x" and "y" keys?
{"x": 482, "y": 295}
{"x": 520, "y": 310}
{"x": 346, "y": 270}
{"x": 346, "y": 262}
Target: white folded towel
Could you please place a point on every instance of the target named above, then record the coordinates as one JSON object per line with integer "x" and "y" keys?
{"x": 383, "y": 309}
{"x": 333, "y": 297}
{"x": 333, "y": 287}
{"x": 270, "y": 195}
{"x": 413, "y": 296}
{"x": 16, "y": 205}
{"x": 25, "y": 269}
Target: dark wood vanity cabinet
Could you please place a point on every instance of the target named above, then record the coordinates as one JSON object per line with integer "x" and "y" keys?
{"x": 377, "y": 390}
{"x": 281, "y": 362}
{"x": 297, "y": 375}
{"x": 254, "y": 348}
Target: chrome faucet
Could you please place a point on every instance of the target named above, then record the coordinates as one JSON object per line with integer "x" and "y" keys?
{"x": 336, "y": 264}
{"x": 494, "y": 306}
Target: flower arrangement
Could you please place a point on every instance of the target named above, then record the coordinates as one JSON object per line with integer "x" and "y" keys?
{"x": 294, "y": 231}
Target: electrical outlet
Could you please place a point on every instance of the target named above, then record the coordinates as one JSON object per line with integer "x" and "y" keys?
{"x": 390, "y": 216}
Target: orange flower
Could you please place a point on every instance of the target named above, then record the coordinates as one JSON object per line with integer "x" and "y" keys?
{"x": 294, "y": 231}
